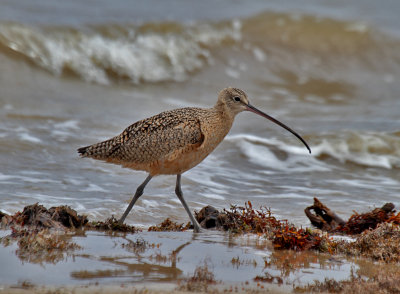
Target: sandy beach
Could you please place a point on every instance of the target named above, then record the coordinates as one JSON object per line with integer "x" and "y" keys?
{"x": 44, "y": 252}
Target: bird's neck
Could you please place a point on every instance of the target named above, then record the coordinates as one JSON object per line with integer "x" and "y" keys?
{"x": 223, "y": 120}
{"x": 224, "y": 112}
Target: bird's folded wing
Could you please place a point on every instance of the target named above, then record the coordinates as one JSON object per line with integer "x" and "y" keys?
{"x": 151, "y": 139}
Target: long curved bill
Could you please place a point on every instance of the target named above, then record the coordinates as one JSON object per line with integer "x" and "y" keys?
{"x": 256, "y": 111}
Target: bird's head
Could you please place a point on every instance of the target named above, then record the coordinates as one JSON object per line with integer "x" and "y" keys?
{"x": 234, "y": 100}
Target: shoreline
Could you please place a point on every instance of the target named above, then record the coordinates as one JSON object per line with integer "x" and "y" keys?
{"x": 169, "y": 258}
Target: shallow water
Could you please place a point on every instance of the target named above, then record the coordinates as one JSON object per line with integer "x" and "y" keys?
{"x": 72, "y": 76}
{"x": 169, "y": 258}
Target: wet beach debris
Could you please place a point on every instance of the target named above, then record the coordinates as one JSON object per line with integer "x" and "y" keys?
{"x": 358, "y": 223}
{"x": 290, "y": 237}
{"x": 200, "y": 281}
{"x": 45, "y": 235}
{"x": 325, "y": 219}
{"x": 377, "y": 232}
{"x": 59, "y": 218}
{"x": 238, "y": 219}
{"x": 38, "y": 216}
{"x": 40, "y": 245}
{"x": 381, "y": 282}
{"x": 268, "y": 278}
{"x": 380, "y": 237}
{"x": 170, "y": 226}
{"x": 380, "y": 244}
{"x": 246, "y": 219}
{"x": 111, "y": 225}
{"x": 42, "y": 234}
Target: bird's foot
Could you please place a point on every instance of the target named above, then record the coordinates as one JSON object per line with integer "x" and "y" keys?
{"x": 197, "y": 228}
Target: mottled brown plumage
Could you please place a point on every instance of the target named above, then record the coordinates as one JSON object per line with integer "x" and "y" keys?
{"x": 168, "y": 143}
{"x": 174, "y": 141}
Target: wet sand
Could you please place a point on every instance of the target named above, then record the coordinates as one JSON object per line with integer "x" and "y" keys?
{"x": 164, "y": 262}
{"x": 175, "y": 262}
{"x": 57, "y": 250}
{"x": 116, "y": 289}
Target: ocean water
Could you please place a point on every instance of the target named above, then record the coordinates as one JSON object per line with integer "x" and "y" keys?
{"x": 74, "y": 73}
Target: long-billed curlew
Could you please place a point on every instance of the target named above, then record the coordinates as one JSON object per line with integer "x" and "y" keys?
{"x": 174, "y": 141}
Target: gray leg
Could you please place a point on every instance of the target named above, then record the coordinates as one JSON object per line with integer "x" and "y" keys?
{"x": 178, "y": 192}
{"x": 139, "y": 192}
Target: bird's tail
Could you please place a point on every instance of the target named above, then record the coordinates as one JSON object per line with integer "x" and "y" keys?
{"x": 100, "y": 150}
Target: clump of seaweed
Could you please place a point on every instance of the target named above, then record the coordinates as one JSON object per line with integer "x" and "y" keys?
{"x": 327, "y": 286}
{"x": 382, "y": 244}
{"x": 40, "y": 245}
{"x": 139, "y": 246}
{"x": 378, "y": 231}
{"x": 169, "y": 226}
{"x": 42, "y": 235}
{"x": 238, "y": 219}
{"x": 358, "y": 223}
{"x": 381, "y": 283}
{"x": 246, "y": 219}
{"x": 268, "y": 278}
{"x": 327, "y": 220}
{"x": 38, "y": 216}
{"x": 290, "y": 237}
{"x": 237, "y": 262}
{"x": 111, "y": 224}
{"x": 201, "y": 279}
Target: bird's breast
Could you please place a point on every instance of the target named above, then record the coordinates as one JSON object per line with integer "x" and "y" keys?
{"x": 213, "y": 128}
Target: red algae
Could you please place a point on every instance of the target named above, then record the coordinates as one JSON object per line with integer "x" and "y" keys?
{"x": 327, "y": 220}
{"x": 382, "y": 282}
{"x": 169, "y": 226}
{"x": 111, "y": 224}
{"x": 200, "y": 281}
{"x": 381, "y": 244}
{"x": 38, "y": 216}
{"x": 246, "y": 219}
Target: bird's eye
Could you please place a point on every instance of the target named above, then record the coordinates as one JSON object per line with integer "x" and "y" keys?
{"x": 236, "y": 98}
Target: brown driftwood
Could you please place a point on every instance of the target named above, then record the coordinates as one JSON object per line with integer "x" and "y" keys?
{"x": 323, "y": 218}
{"x": 326, "y": 220}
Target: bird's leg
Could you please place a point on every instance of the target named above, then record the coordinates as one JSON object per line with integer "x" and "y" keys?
{"x": 178, "y": 192}
{"x": 139, "y": 192}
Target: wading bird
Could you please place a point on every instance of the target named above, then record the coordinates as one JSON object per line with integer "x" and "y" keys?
{"x": 174, "y": 141}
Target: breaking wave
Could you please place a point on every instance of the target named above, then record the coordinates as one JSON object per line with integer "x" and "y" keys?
{"x": 162, "y": 52}
{"x": 367, "y": 149}
{"x": 149, "y": 53}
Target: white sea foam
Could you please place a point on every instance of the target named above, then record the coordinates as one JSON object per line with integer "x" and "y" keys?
{"x": 257, "y": 150}
{"x": 213, "y": 195}
{"x": 259, "y": 54}
{"x": 150, "y": 203}
{"x": 76, "y": 182}
{"x": 65, "y": 129}
{"x": 67, "y": 125}
{"x": 29, "y": 138}
{"x": 10, "y": 179}
{"x": 8, "y": 107}
{"x": 370, "y": 149}
{"x": 94, "y": 188}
